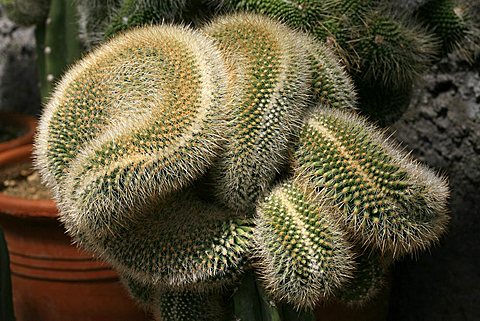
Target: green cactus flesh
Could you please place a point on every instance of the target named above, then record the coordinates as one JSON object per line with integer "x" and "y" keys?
{"x": 368, "y": 280}
{"x": 302, "y": 253}
{"x": 451, "y": 23}
{"x": 386, "y": 199}
{"x": 140, "y": 117}
{"x": 297, "y": 13}
{"x": 143, "y": 293}
{"x": 134, "y": 13}
{"x": 390, "y": 51}
{"x": 270, "y": 81}
{"x": 178, "y": 305}
{"x": 183, "y": 242}
{"x": 26, "y": 12}
{"x": 331, "y": 85}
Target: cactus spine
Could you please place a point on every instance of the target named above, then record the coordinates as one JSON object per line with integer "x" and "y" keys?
{"x": 387, "y": 200}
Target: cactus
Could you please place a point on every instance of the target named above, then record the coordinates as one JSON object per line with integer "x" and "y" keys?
{"x": 188, "y": 159}
{"x": 369, "y": 279}
{"x": 183, "y": 242}
{"x": 93, "y": 19}
{"x": 301, "y": 251}
{"x": 378, "y": 47}
{"x": 159, "y": 92}
{"x": 133, "y": 13}
{"x": 185, "y": 305}
{"x": 452, "y": 23}
{"x": 271, "y": 77}
{"x": 26, "y": 12}
{"x": 387, "y": 200}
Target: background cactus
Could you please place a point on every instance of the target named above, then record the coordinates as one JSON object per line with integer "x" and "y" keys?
{"x": 162, "y": 144}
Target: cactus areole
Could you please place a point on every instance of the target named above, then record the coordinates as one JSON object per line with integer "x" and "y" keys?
{"x": 190, "y": 158}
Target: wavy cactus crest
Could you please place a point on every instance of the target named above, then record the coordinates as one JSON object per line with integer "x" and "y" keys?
{"x": 267, "y": 63}
{"x": 133, "y": 121}
{"x": 387, "y": 200}
{"x": 302, "y": 252}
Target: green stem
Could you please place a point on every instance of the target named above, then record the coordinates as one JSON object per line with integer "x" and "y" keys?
{"x": 270, "y": 310}
{"x": 246, "y": 301}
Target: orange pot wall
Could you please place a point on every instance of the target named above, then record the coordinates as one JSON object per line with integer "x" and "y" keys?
{"x": 52, "y": 280}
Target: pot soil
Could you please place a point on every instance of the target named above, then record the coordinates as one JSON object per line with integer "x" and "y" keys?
{"x": 52, "y": 280}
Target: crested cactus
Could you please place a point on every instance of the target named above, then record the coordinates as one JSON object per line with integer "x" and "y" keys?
{"x": 188, "y": 159}
{"x": 160, "y": 93}
{"x": 302, "y": 252}
{"x": 387, "y": 200}
{"x": 271, "y": 79}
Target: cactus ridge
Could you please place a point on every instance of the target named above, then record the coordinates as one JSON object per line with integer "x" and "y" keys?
{"x": 302, "y": 254}
{"x": 368, "y": 280}
{"x": 135, "y": 130}
{"x": 268, "y": 110}
{"x": 331, "y": 85}
{"x": 183, "y": 242}
{"x": 188, "y": 306}
{"x": 297, "y": 13}
{"x": 388, "y": 201}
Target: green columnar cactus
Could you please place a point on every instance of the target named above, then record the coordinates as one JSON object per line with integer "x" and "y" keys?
{"x": 387, "y": 200}
{"x": 300, "y": 248}
{"x": 271, "y": 78}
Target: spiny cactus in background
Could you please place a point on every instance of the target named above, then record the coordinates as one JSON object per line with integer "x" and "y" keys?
{"x": 380, "y": 49}
{"x": 134, "y": 13}
{"x": 140, "y": 117}
{"x": 26, "y": 12}
{"x": 271, "y": 77}
{"x": 452, "y": 23}
{"x": 368, "y": 280}
{"x": 387, "y": 200}
{"x": 93, "y": 19}
{"x": 301, "y": 250}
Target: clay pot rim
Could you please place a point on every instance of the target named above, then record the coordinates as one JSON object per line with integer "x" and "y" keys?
{"x": 22, "y": 120}
{"x": 23, "y": 207}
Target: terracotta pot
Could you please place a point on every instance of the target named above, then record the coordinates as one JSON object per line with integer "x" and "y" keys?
{"x": 28, "y": 123}
{"x": 53, "y": 280}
